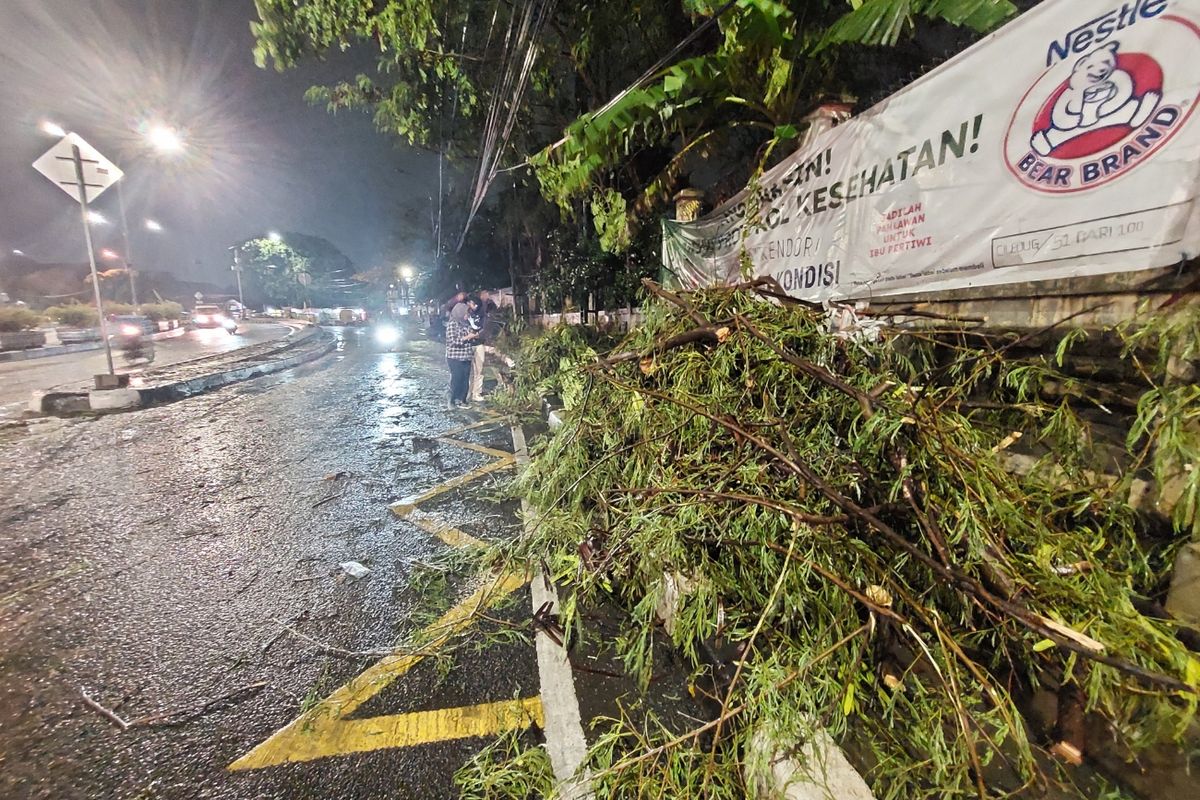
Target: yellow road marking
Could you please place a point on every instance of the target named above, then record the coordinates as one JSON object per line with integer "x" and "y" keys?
{"x": 324, "y": 729}
{"x": 330, "y": 737}
{"x": 443, "y": 530}
{"x": 404, "y": 506}
{"x": 478, "y": 448}
{"x": 492, "y": 419}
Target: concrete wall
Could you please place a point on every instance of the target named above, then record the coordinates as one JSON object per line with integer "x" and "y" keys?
{"x": 1092, "y": 302}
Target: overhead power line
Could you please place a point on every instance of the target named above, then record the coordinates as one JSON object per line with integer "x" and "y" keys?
{"x": 519, "y": 54}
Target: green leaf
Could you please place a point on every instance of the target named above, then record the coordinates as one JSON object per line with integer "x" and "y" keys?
{"x": 1044, "y": 645}
{"x": 848, "y": 700}
{"x": 786, "y": 132}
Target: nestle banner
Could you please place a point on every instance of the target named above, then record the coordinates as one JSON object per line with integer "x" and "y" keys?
{"x": 1061, "y": 145}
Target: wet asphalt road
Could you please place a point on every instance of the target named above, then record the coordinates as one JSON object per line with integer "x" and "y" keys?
{"x": 19, "y": 379}
{"x": 157, "y": 559}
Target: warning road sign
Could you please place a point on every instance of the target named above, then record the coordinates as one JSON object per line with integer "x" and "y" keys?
{"x": 58, "y": 164}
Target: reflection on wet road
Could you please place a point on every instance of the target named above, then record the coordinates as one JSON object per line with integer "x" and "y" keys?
{"x": 181, "y": 565}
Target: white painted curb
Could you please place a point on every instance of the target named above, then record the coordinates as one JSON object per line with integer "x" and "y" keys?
{"x": 113, "y": 399}
{"x": 564, "y": 727}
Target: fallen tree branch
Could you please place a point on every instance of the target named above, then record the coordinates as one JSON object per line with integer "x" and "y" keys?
{"x": 174, "y": 718}
{"x": 962, "y": 581}
{"x": 110, "y": 715}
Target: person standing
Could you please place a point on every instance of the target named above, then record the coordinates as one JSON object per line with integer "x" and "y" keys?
{"x": 459, "y": 344}
{"x": 484, "y": 312}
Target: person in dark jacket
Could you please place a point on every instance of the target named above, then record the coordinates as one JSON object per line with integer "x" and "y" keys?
{"x": 459, "y": 344}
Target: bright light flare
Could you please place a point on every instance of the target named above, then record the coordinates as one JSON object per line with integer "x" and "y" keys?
{"x": 153, "y": 225}
{"x": 406, "y": 272}
{"x": 96, "y": 218}
{"x": 52, "y": 128}
{"x": 164, "y": 139}
{"x": 274, "y": 236}
{"x": 387, "y": 335}
{"x": 109, "y": 254}
{"x": 131, "y": 330}
{"x": 18, "y": 253}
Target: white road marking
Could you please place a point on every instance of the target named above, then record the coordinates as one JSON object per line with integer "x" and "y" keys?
{"x": 564, "y": 728}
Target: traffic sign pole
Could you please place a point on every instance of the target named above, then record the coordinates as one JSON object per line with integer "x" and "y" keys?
{"x": 87, "y": 235}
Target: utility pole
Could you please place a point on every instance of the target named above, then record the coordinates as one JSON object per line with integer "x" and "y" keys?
{"x": 237, "y": 269}
{"x": 87, "y": 235}
{"x": 128, "y": 248}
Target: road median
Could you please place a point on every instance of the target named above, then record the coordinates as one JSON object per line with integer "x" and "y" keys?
{"x": 189, "y": 378}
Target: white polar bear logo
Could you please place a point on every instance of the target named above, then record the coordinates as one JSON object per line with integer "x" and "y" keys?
{"x": 1098, "y": 95}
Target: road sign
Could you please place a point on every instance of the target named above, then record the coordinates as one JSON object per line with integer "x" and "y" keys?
{"x": 58, "y": 164}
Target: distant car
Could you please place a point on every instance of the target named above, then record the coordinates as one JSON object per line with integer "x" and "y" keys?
{"x": 386, "y": 332}
{"x": 212, "y": 317}
{"x": 131, "y": 324}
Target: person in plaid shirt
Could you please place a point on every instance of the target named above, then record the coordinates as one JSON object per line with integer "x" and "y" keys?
{"x": 460, "y": 344}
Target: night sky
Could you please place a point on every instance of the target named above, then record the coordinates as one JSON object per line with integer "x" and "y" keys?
{"x": 259, "y": 157}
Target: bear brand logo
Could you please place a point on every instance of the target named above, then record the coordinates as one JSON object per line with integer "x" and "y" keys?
{"x": 1105, "y": 106}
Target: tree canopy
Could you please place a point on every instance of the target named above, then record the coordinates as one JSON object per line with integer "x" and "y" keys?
{"x": 298, "y": 269}
{"x": 607, "y": 108}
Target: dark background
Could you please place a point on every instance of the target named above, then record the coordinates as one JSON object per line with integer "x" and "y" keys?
{"x": 259, "y": 157}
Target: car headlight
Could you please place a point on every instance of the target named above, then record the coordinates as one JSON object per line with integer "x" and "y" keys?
{"x": 200, "y": 318}
{"x": 130, "y": 330}
{"x": 387, "y": 334}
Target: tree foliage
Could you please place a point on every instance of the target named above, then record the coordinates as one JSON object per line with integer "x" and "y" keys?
{"x": 843, "y": 513}
{"x": 750, "y": 71}
{"x": 297, "y": 269}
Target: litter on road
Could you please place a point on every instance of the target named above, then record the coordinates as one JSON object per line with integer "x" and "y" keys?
{"x": 354, "y": 569}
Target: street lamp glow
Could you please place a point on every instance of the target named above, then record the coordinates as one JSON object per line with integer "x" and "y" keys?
{"x": 52, "y": 129}
{"x": 108, "y": 254}
{"x": 153, "y": 225}
{"x": 274, "y": 236}
{"x": 96, "y": 218}
{"x": 18, "y": 253}
{"x": 164, "y": 139}
{"x": 406, "y": 272}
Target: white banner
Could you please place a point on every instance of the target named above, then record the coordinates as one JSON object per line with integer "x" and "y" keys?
{"x": 1062, "y": 145}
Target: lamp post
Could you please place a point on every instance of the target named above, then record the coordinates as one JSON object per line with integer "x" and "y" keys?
{"x": 128, "y": 248}
{"x": 237, "y": 270}
{"x": 406, "y": 273}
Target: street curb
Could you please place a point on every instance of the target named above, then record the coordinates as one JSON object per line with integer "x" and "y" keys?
{"x": 74, "y": 403}
{"x": 82, "y": 347}
{"x": 170, "y": 392}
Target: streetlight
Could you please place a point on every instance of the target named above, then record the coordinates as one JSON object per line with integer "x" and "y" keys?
{"x": 109, "y": 255}
{"x": 52, "y": 129}
{"x": 96, "y": 218}
{"x": 164, "y": 139}
{"x": 152, "y": 225}
{"x": 274, "y": 236}
{"x": 406, "y": 272}
{"x": 18, "y": 253}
